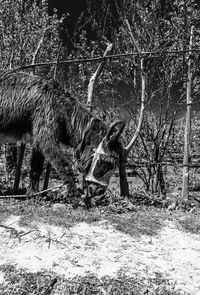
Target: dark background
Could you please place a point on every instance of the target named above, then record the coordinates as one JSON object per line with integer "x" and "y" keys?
{"x": 78, "y": 9}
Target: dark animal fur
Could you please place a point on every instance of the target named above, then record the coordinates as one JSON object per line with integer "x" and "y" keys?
{"x": 40, "y": 111}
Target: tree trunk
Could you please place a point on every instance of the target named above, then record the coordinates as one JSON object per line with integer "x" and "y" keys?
{"x": 185, "y": 189}
{"x": 124, "y": 187}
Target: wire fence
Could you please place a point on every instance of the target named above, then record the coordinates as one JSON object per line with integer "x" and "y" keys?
{"x": 111, "y": 56}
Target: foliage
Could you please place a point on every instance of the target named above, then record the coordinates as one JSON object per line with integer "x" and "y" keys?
{"x": 23, "y": 24}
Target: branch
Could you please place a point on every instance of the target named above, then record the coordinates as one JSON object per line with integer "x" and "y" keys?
{"x": 56, "y": 65}
{"x": 38, "y": 47}
{"x": 95, "y": 77}
{"x": 132, "y": 37}
{"x": 34, "y": 195}
{"x": 137, "y": 132}
{"x": 40, "y": 43}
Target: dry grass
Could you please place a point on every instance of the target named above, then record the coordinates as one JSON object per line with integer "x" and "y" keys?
{"x": 145, "y": 220}
{"x": 21, "y": 282}
{"x": 142, "y": 220}
{"x": 188, "y": 221}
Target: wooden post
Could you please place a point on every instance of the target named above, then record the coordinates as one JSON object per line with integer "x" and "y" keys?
{"x": 185, "y": 188}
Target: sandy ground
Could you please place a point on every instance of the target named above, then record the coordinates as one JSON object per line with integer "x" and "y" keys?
{"x": 101, "y": 249}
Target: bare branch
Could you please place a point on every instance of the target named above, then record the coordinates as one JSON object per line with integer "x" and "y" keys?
{"x": 137, "y": 132}
{"x": 34, "y": 195}
{"x": 132, "y": 37}
{"x": 130, "y": 145}
{"x": 56, "y": 65}
{"x": 95, "y": 77}
{"x": 38, "y": 47}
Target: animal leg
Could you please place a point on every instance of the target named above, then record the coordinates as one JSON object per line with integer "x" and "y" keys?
{"x": 54, "y": 154}
{"x": 37, "y": 161}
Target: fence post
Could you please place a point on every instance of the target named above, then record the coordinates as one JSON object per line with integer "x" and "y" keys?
{"x": 186, "y": 156}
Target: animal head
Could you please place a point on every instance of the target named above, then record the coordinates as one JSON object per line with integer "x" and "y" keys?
{"x": 105, "y": 159}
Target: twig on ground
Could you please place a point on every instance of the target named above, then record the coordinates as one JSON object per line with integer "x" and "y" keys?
{"x": 27, "y": 233}
{"x": 34, "y": 195}
{"x": 47, "y": 190}
{"x": 13, "y": 196}
{"x": 37, "y": 257}
{"x": 49, "y": 239}
{"x": 14, "y": 233}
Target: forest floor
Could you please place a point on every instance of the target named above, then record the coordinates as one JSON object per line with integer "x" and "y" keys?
{"x": 54, "y": 249}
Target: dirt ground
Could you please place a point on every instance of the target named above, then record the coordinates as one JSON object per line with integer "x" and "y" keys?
{"x": 101, "y": 249}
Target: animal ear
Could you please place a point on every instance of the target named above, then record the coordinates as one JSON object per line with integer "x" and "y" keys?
{"x": 115, "y": 130}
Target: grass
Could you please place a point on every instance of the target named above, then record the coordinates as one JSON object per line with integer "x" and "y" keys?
{"x": 188, "y": 221}
{"x": 146, "y": 221}
{"x": 21, "y": 282}
{"x": 143, "y": 220}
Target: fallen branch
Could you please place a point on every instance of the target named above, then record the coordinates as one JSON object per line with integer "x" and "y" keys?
{"x": 14, "y": 233}
{"x": 12, "y": 229}
{"x": 29, "y": 197}
{"x": 13, "y": 196}
{"x": 47, "y": 190}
